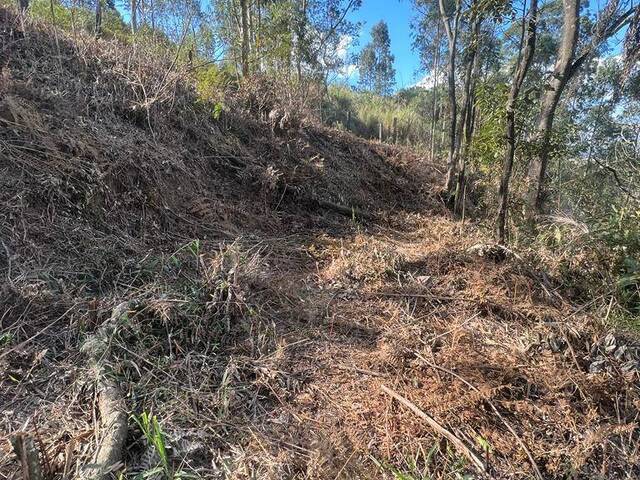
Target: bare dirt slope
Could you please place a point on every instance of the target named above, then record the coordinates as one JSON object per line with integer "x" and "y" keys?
{"x": 282, "y": 289}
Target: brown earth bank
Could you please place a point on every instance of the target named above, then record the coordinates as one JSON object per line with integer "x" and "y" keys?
{"x": 299, "y": 303}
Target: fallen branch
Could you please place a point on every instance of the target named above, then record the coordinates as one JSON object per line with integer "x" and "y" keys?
{"x": 27, "y": 453}
{"x": 439, "y": 298}
{"x": 113, "y": 415}
{"x": 347, "y": 211}
{"x": 534, "y": 465}
{"x": 459, "y": 444}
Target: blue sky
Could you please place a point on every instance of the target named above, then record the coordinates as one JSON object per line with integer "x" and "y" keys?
{"x": 398, "y": 15}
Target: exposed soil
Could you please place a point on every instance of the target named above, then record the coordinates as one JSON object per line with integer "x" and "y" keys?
{"x": 264, "y": 318}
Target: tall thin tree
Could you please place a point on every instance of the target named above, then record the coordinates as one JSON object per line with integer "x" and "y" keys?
{"x": 134, "y": 16}
{"x": 527, "y": 49}
{"x": 610, "y": 21}
{"x": 98, "y": 27}
{"x": 464, "y": 131}
{"x": 244, "y": 59}
{"x": 451, "y": 22}
{"x": 549, "y": 102}
{"x": 434, "y": 91}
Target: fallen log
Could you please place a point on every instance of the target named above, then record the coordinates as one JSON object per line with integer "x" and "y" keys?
{"x": 345, "y": 210}
{"x": 107, "y": 457}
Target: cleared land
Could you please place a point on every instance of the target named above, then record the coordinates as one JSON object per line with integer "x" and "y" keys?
{"x": 299, "y": 303}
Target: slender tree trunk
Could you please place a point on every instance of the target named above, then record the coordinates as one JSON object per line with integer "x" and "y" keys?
{"x": 549, "y": 103}
{"x": 526, "y": 55}
{"x": 451, "y": 27}
{"x": 434, "y": 92}
{"x": 152, "y": 9}
{"x": 23, "y": 5}
{"x": 258, "y": 35}
{"x": 134, "y": 16}
{"x": 244, "y": 12}
{"x": 98, "y": 18}
{"x": 300, "y": 34}
{"x": 251, "y": 23}
{"x": 464, "y": 123}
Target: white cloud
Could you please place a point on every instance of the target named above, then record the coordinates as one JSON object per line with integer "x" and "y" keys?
{"x": 344, "y": 44}
{"x": 428, "y": 81}
{"x": 350, "y": 70}
{"x": 342, "y": 53}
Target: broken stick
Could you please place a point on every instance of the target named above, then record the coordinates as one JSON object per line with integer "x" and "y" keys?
{"x": 459, "y": 444}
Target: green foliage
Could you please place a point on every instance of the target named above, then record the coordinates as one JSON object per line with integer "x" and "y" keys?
{"x": 155, "y": 437}
{"x": 411, "y": 109}
{"x": 376, "y": 62}
{"x": 80, "y": 18}
{"x": 212, "y": 81}
{"x": 277, "y": 36}
{"x": 621, "y": 233}
{"x": 487, "y": 148}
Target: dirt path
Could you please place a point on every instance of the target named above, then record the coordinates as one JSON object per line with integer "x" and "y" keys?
{"x": 482, "y": 346}
{"x": 266, "y": 358}
{"x": 384, "y": 309}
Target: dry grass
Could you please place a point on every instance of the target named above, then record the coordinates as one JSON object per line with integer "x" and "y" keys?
{"x": 264, "y": 325}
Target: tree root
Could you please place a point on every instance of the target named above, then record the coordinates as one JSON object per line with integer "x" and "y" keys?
{"x": 111, "y": 406}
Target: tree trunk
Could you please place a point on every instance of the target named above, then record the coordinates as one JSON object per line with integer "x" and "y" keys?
{"x": 152, "y": 9}
{"x": 451, "y": 28}
{"x": 526, "y": 55}
{"x": 23, "y": 5}
{"x": 244, "y": 12}
{"x": 134, "y": 16}
{"x": 549, "y": 103}
{"x": 98, "y": 18}
{"x": 300, "y": 34}
{"x": 434, "y": 92}
{"x": 394, "y": 130}
{"x": 258, "y": 40}
{"x": 464, "y": 123}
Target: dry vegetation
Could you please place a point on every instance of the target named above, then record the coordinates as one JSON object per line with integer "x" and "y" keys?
{"x": 263, "y": 319}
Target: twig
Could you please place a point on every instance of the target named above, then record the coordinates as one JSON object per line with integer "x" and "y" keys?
{"x": 6, "y": 249}
{"x": 460, "y": 325}
{"x": 459, "y": 444}
{"x": 345, "y": 465}
{"x": 40, "y": 332}
{"x": 534, "y": 465}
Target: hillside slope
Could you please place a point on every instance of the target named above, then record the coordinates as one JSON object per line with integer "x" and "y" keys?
{"x": 279, "y": 286}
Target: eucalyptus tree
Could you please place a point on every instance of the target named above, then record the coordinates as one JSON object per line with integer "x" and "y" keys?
{"x": 376, "y": 62}
{"x": 428, "y": 44}
{"x": 526, "y": 51}
{"x": 450, "y": 15}
{"x": 569, "y": 59}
